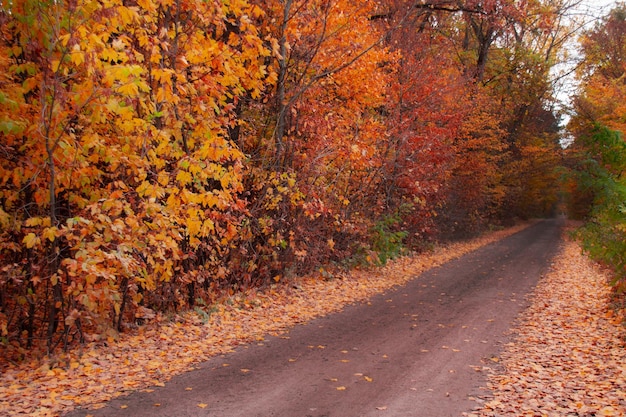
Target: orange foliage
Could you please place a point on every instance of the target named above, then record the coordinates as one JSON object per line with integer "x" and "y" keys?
{"x": 119, "y": 172}
{"x": 156, "y": 153}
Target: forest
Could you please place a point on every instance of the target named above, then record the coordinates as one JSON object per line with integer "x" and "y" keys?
{"x": 158, "y": 153}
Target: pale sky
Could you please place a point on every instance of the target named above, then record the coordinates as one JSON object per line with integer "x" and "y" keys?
{"x": 600, "y": 2}
{"x": 599, "y": 7}
{"x": 591, "y": 8}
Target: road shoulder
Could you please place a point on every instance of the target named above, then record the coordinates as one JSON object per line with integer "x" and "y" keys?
{"x": 567, "y": 356}
{"x": 89, "y": 377}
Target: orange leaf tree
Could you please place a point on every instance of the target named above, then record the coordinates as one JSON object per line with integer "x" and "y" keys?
{"x": 315, "y": 146}
{"x": 155, "y": 152}
{"x": 509, "y": 49}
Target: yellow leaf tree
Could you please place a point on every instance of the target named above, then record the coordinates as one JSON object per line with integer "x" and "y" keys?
{"x": 119, "y": 182}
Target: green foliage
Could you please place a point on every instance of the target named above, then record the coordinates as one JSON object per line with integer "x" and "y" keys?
{"x": 600, "y": 175}
{"x": 204, "y": 313}
{"x": 387, "y": 239}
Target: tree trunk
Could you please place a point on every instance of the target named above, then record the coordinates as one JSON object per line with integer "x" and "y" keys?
{"x": 281, "y": 105}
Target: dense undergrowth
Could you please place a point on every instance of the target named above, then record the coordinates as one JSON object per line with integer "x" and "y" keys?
{"x": 597, "y": 156}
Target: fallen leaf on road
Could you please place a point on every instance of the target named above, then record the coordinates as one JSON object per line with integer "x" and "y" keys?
{"x": 567, "y": 357}
{"x": 154, "y": 353}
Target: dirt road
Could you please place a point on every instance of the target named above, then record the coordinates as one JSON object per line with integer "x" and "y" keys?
{"x": 418, "y": 350}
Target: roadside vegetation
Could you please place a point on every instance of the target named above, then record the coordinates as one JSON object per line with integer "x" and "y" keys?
{"x": 567, "y": 356}
{"x": 161, "y": 158}
{"x": 157, "y": 155}
{"x": 168, "y": 345}
{"x": 597, "y": 157}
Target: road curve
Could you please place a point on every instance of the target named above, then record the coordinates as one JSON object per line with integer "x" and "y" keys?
{"x": 418, "y": 350}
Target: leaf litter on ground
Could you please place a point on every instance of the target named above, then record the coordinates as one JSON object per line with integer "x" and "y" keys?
{"x": 567, "y": 357}
{"x": 89, "y": 376}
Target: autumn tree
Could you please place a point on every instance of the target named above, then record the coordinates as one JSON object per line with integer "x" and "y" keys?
{"x": 423, "y": 109}
{"x": 529, "y": 39}
{"x": 314, "y": 145}
{"x": 157, "y": 153}
{"x": 601, "y": 72}
{"x": 488, "y": 66}
{"x": 598, "y": 153}
{"x": 120, "y": 186}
